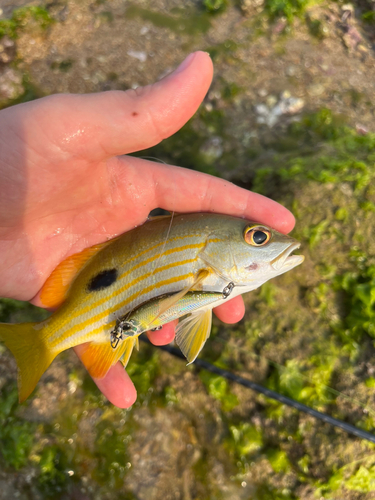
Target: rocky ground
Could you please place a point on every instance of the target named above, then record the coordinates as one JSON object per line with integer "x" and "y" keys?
{"x": 290, "y": 114}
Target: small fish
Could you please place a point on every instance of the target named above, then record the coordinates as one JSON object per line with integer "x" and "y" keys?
{"x": 168, "y": 268}
{"x": 191, "y": 333}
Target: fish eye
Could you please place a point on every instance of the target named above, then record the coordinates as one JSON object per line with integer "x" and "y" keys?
{"x": 257, "y": 236}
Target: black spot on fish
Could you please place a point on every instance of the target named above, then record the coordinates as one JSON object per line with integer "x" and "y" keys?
{"x": 102, "y": 280}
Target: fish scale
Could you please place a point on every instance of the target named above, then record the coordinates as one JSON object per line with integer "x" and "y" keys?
{"x": 162, "y": 263}
{"x": 170, "y": 278}
{"x": 119, "y": 300}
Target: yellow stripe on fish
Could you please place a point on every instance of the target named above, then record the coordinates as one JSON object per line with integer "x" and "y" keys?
{"x": 119, "y": 305}
{"x": 136, "y": 281}
{"x": 91, "y": 319}
{"x": 154, "y": 271}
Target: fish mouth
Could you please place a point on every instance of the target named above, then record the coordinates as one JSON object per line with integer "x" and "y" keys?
{"x": 286, "y": 260}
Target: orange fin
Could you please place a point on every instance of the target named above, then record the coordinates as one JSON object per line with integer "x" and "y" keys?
{"x": 56, "y": 288}
{"x": 99, "y": 357}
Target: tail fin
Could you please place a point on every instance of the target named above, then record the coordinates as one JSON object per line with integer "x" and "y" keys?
{"x": 26, "y": 342}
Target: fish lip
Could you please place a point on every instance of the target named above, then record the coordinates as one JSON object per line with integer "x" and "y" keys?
{"x": 287, "y": 260}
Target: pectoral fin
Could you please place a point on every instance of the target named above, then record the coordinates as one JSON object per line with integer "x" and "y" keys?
{"x": 192, "y": 333}
{"x": 165, "y": 304}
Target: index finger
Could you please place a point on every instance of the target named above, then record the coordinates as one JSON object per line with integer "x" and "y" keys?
{"x": 115, "y": 385}
{"x": 178, "y": 189}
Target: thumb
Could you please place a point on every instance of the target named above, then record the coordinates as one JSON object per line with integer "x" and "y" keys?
{"x": 138, "y": 119}
{"x": 98, "y": 126}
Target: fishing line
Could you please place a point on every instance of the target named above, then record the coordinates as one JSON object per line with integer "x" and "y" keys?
{"x": 201, "y": 363}
{"x": 351, "y": 429}
{"x": 171, "y": 212}
{"x": 284, "y": 369}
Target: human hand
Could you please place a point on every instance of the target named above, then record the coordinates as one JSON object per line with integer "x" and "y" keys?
{"x": 64, "y": 187}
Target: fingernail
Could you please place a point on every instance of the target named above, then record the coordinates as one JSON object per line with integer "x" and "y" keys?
{"x": 184, "y": 64}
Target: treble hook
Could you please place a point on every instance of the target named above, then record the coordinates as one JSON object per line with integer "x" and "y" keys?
{"x": 122, "y": 329}
{"x": 115, "y": 339}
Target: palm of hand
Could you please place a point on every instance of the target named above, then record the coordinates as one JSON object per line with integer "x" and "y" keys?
{"x": 63, "y": 191}
{"x": 64, "y": 188}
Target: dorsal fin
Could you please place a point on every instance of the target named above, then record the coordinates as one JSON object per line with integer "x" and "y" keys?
{"x": 55, "y": 289}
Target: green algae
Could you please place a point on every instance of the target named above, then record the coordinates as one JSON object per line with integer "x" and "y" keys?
{"x": 189, "y": 22}
{"x": 143, "y": 370}
{"x": 288, "y": 9}
{"x": 68, "y": 457}
{"x": 16, "y": 434}
{"x": 266, "y": 493}
{"x": 53, "y": 478}
{"x": 359, "y": 300}
{"x": 219, "y": 389}
{"x": 278, "y": 460}
{"x": 26, "y": 18}
{"x": 110, "y": 454}
{"x": 362, "y": 481}
{"x": 353, "y": 477}
{"x": 245, "y": 439}
{"x": 346, "y": 273}
{"x": 15, "y": 311}
{"x": 215, "y": 6}
{"x": 224, "y": 51}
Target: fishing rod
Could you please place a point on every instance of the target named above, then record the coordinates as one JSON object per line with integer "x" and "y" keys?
{"x": 201, "y": 363}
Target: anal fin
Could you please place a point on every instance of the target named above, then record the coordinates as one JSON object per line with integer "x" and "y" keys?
{"x": 99, "y": 357}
